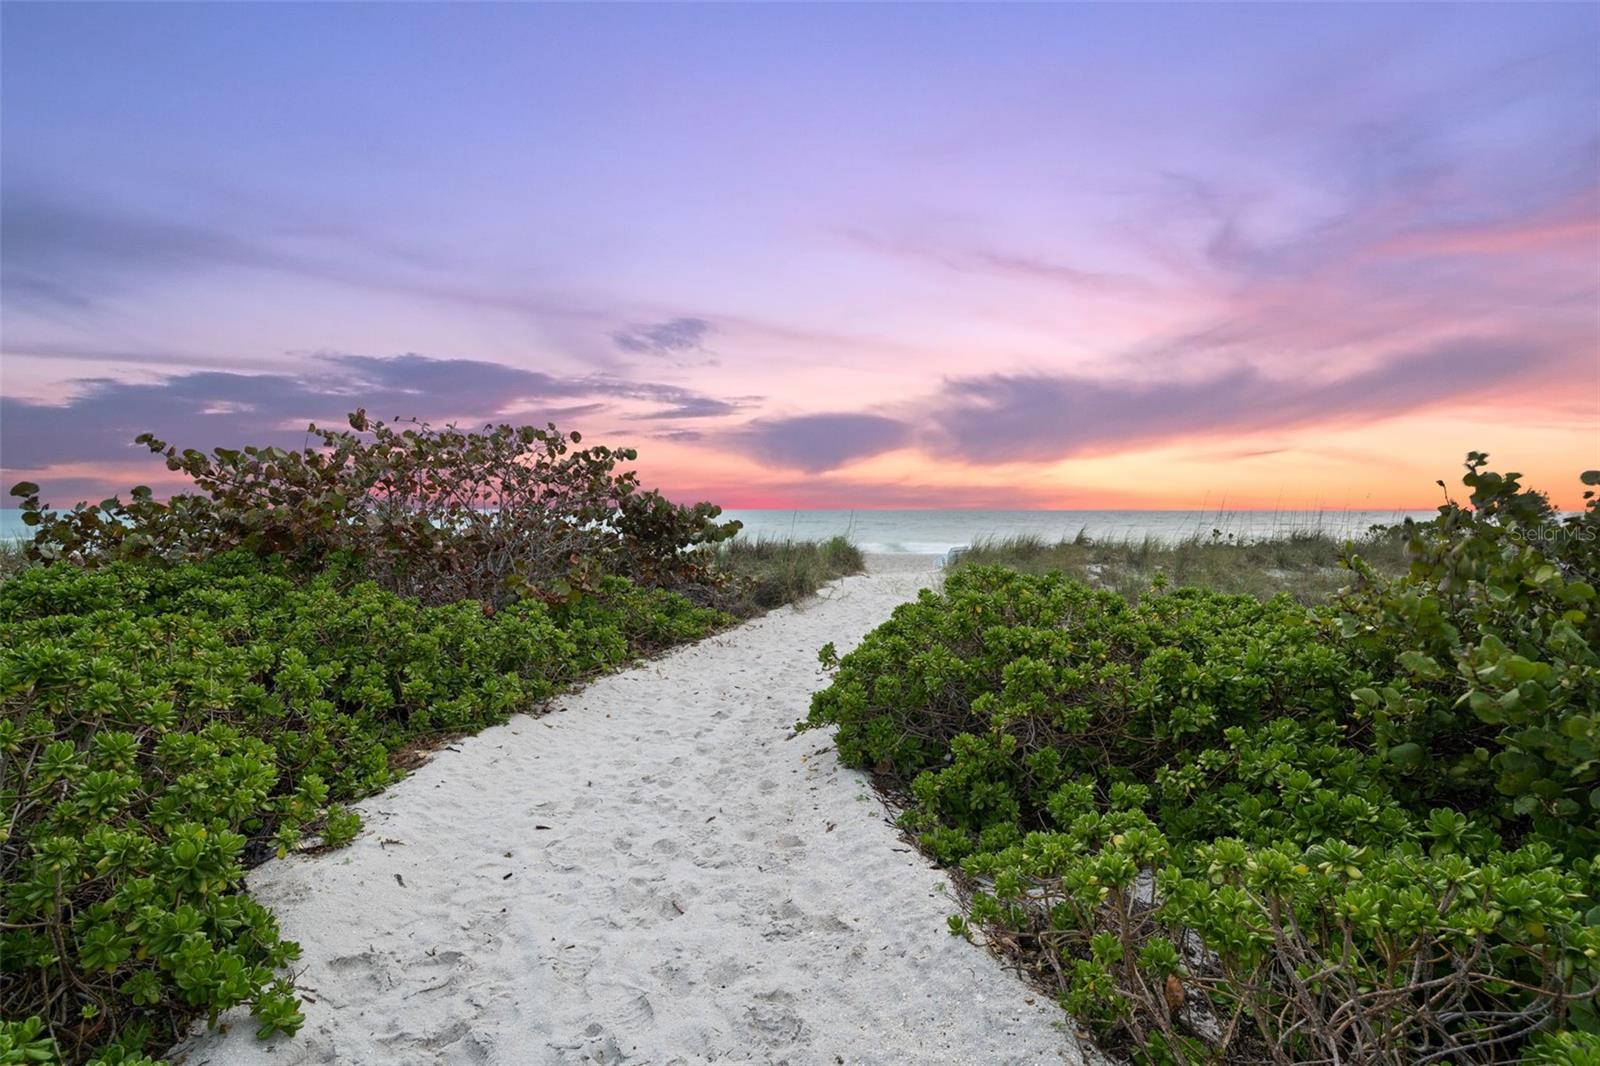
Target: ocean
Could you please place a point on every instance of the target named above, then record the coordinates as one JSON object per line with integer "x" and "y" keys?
{"x": 936, "y": 532}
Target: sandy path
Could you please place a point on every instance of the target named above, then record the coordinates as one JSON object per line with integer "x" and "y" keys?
{"x": 655, "y": 872}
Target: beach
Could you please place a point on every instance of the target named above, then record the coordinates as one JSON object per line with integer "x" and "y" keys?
{"x": 658, "y": 870}
{"x": 655, "y": 534}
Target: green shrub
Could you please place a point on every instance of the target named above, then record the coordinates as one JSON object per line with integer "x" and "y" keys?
{"x": 1491, "y": 650}
{"x": 164, "y": 727}
{"x": 1094, "y": 680}
{"x": 1218, "y": 950}
{"x": 439, "y": 514}
{"x": 1227, "y": 830}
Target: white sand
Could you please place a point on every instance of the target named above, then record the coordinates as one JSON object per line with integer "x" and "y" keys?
{"x": 658, "y": 871}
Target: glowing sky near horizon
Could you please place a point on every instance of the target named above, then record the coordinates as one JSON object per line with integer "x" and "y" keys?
{"x": 810, "y": 256}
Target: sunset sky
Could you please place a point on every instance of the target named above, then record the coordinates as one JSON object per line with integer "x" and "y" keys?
{"x": 811, "y": 256}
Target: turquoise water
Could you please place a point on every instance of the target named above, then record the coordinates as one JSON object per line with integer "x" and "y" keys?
{"x": 939, "y": 531}
{"x": 11, "y": 527}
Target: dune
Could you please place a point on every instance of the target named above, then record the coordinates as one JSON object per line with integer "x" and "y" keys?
{"x": 656, "y": 871}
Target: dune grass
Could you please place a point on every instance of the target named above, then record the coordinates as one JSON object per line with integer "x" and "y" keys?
{"x": 13, "y": 557}
{"x": 1304, "y": 564}
{"x": 771, "y": 573}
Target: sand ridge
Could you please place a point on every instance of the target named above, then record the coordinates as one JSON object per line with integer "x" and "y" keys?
{"x": 658, "y": 871}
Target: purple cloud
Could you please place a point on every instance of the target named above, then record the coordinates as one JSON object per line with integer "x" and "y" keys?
{"x": 222, "y": 408}
{"x": 671, "y": 337}
{"x": 1003, "y": 417}
{"x": 823, "y": 441}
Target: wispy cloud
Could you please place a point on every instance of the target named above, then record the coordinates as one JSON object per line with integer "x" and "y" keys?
{"x": 68, "y": 254}
{"x": 964, "y": 257}
{"x": 1000, "y": 418}
{"x": 672, "y": 337}
{"x": 69, "y": 257}
{"x": 679, "y": 402}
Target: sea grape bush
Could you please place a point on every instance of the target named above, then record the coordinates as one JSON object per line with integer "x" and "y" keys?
{"x": 1080, "y": 666}
{"x": 442, "y": 514}
{"x": 1228, "y": 830}
{"x": 1212, "y": 949}
{"x": 164, "y": 727}
{"x": 1492, "y": 653}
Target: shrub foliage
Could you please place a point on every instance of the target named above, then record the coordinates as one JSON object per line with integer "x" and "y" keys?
{"x": 165, "y": 726}
{"x": 1228, "y": 830}
{"x": 440, "y": 514}
{"x": 1491, "y": 696}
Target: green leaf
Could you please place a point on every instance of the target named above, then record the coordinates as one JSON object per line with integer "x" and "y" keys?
{"x": 1424, "y": 666}
{"x": 1406, "y": 755}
